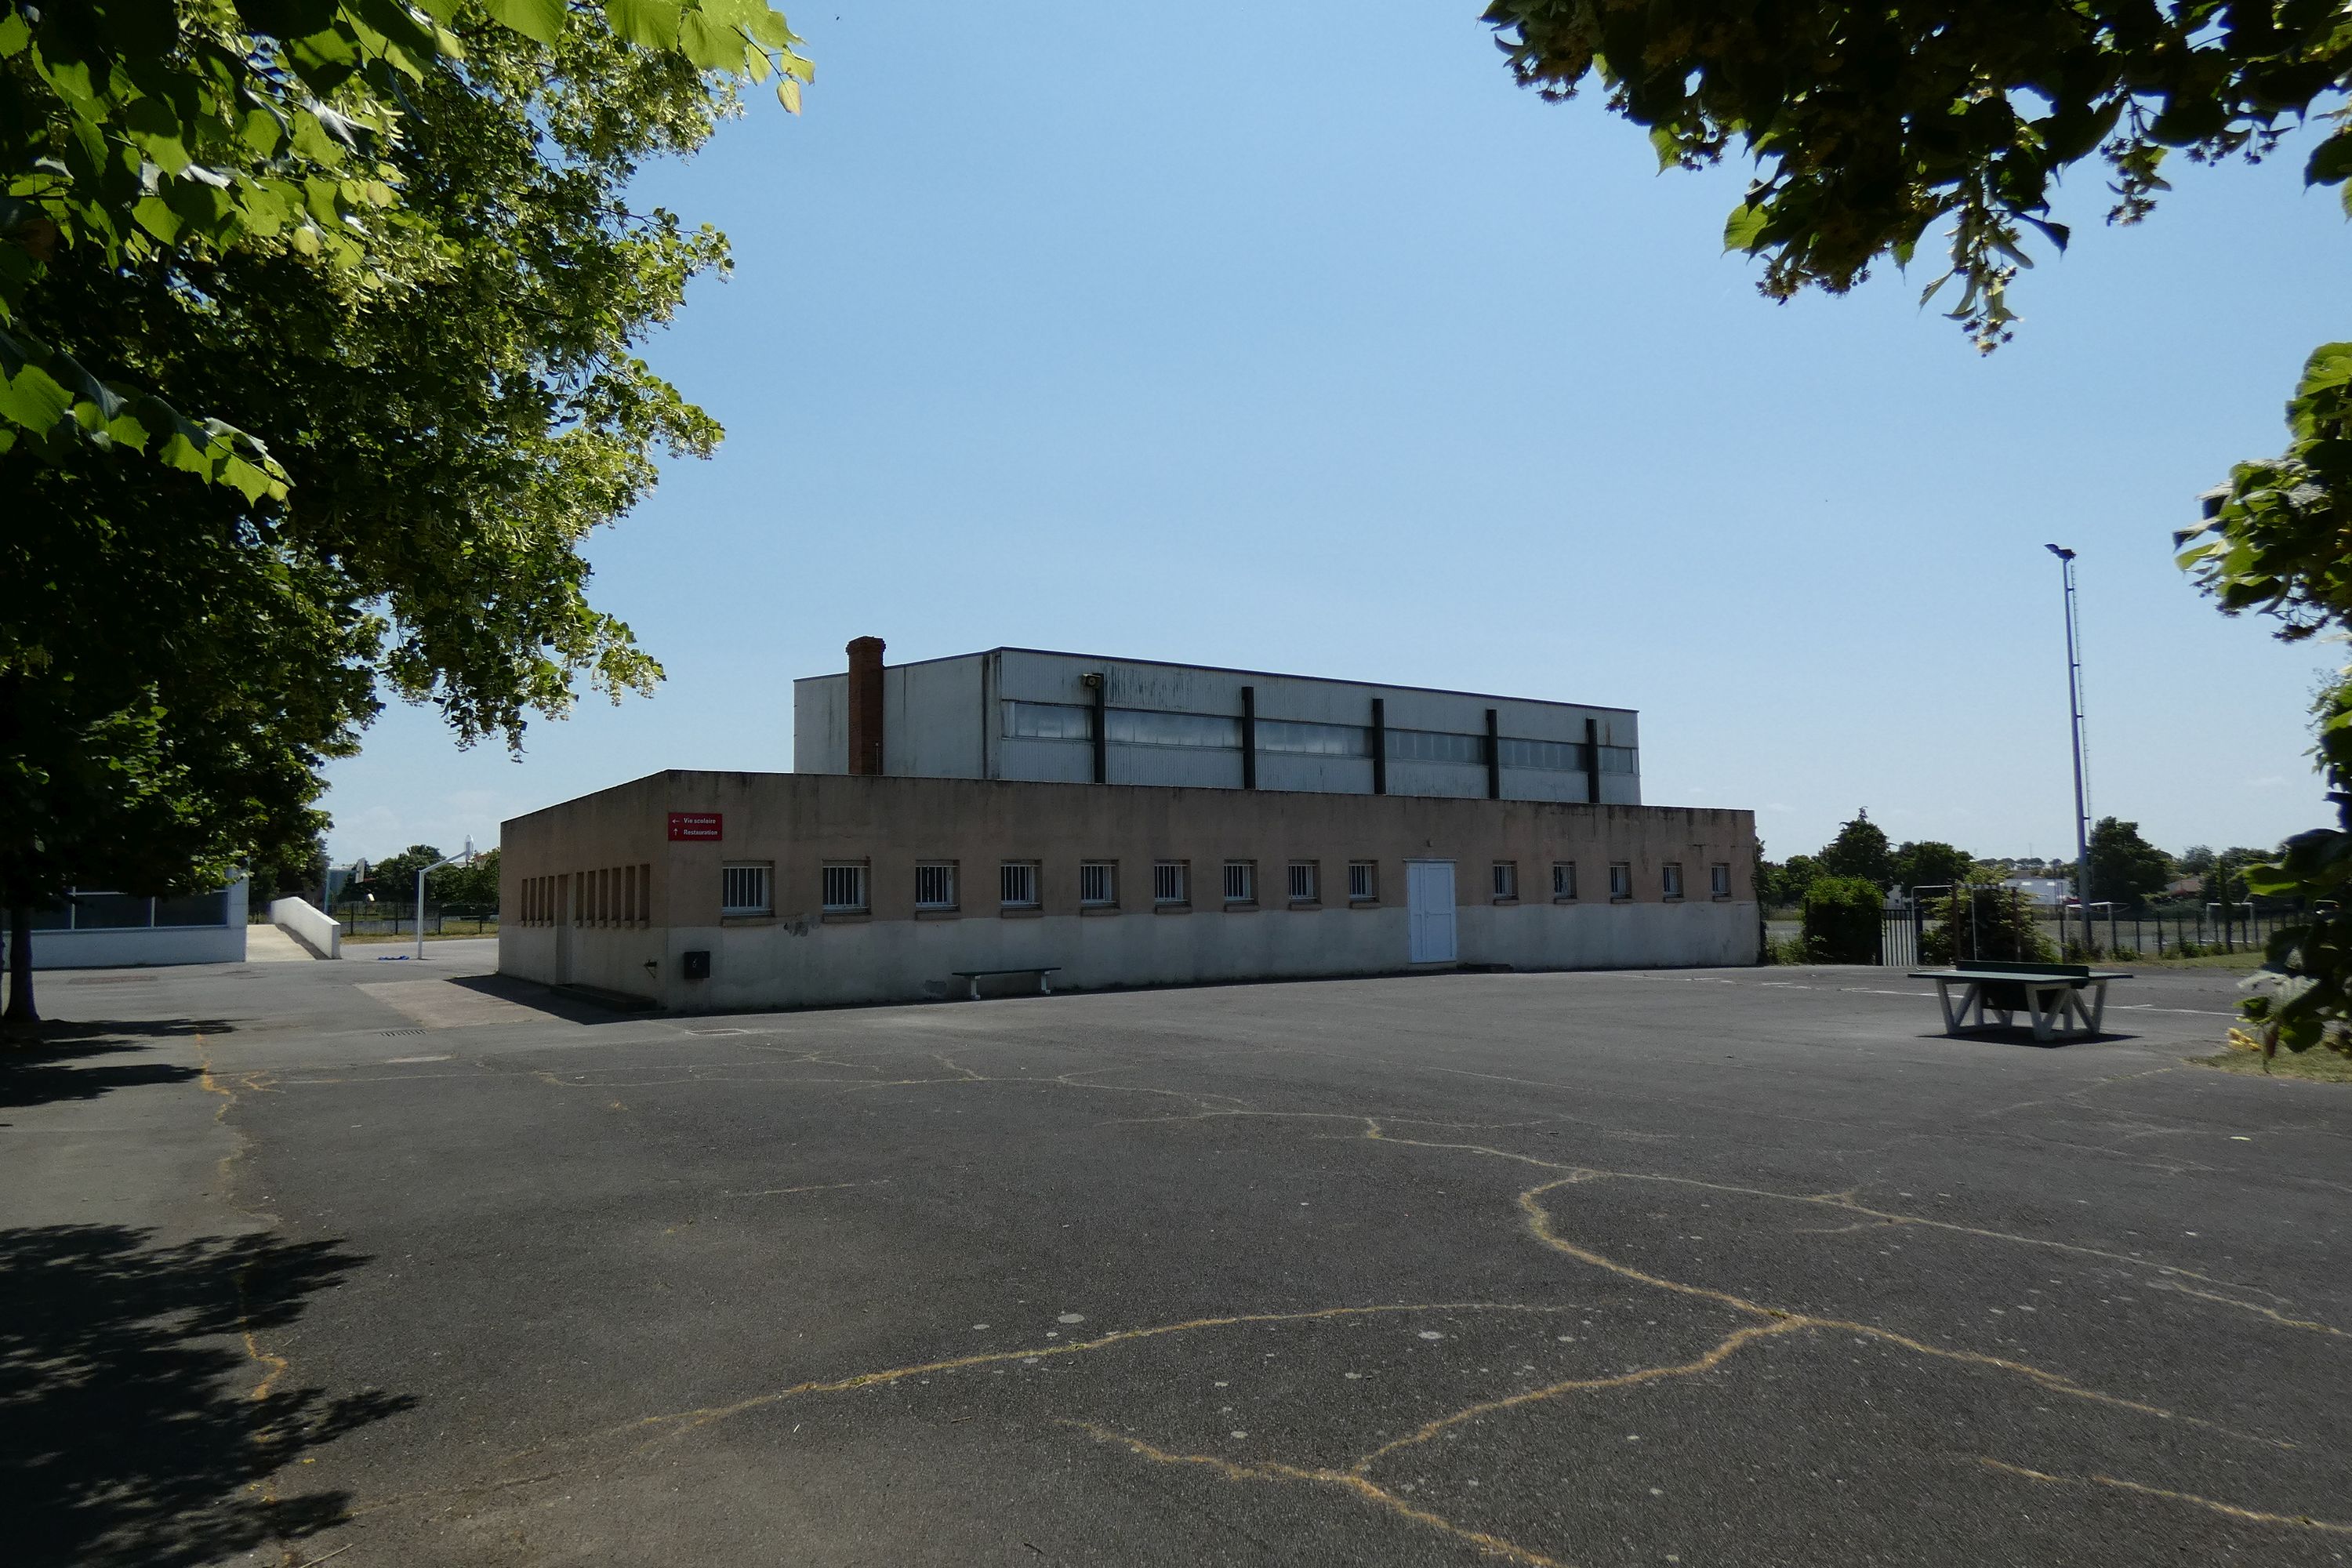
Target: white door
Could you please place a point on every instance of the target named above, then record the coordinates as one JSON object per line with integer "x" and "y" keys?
{"x": 1429, "y": 909}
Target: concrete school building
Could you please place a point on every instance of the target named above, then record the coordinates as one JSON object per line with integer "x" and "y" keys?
{"x": 1217, "y": 830}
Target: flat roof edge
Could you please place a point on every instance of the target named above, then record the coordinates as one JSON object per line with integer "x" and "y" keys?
{"x": 1235, "y": 669}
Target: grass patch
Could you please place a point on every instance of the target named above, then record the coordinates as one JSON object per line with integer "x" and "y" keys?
{"x": 2318, "y": 1065}
{"x": 2243, "y": 961}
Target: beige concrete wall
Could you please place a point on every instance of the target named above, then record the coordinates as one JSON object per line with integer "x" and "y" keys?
{"x": 798, "y": 822}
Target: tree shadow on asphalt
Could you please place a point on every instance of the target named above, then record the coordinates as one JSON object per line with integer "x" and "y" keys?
{"x": 36, "y": 1066}
{"x": 139, "y": 1427}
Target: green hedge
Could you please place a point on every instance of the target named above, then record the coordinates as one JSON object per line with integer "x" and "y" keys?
{"x": 1841, "y": 915}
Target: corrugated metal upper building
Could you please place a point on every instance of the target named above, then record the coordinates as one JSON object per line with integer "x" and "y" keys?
{"x": 1065, "y": 718}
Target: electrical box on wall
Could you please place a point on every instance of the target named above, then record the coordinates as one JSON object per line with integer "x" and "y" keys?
{"x": 694, "y": 964}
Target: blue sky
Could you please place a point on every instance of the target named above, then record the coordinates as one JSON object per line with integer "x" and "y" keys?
{"x": 1220, "y": 334}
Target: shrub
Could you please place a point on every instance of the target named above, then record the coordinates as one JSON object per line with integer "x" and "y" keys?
{"x": 1841, "y": 919}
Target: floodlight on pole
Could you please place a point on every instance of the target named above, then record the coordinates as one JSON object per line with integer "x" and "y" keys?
{"x": 2074, "y": 710}
{"x": 467, "y": 856}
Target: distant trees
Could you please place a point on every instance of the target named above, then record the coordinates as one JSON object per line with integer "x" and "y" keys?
{"x": 2125, "y": 867}
{"x": 395, "y": 877}
{"x": 1860, "y": 850}
{"x": 1932, "y": 863}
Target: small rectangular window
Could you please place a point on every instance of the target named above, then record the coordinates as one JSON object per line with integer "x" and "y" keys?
{"x": 1506, "y": 881}
{"x": 935, "y": 885}
{"x": 1241, "y": 881}
{"x": 1671, "y": 878}
{"x": 1168, "y": 882}
{"x": 744, "y": 890}
{"x": 1363, "y": 881}
{"x": 1306, "y": 886}
{"x": 845, "y": 887}
{"x": 1719, "y": 879}
{"x": 1097, "y": 883}
{"x": 1563, "y": 880}
{"x": 1620, "y": 879}
{"x": 1016, "y": 882}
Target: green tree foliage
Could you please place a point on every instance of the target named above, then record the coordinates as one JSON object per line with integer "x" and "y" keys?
{"x": 1860, "y": 850}
{"x": 293, "y": 868}
{"x": 474, "y": 885}
{"x": 1977, "y": 920}
{"x": 2280, "y": 543}
{"x": 135, "y": 129}
{"x": 2125, "y": 867}
{"x": 1841, "y": 919}
{"x": 1869, "y": 125}
{"x": 1931, "y": 863}
{"x": 393, "y": 877}
{"x": 1780, "y": 884}
{"x": 178, "y": 657}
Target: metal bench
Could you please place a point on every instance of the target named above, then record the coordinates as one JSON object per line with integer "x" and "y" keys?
{"x": 2057, "y": 996}
{"x": 973, "y": 977}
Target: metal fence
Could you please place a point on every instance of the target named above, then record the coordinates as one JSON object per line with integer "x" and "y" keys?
{"x": 2161, "y": 931}
{"x": 398, "y": 918}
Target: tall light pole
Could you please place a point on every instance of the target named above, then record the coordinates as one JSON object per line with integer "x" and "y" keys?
{"x": 2074, "y": 707}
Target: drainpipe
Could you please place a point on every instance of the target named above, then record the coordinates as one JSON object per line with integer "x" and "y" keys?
{"x": 1494, "y": 756}
{"x": 1249, "y": 737}
{"x": 1592, "y": 761}
{"x": 1379, "y": 746}
{"x": 1095, "y": 684}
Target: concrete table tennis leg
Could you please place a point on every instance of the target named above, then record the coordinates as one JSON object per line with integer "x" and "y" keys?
{"x": 1045, "y": 983}
{"x": 2097, "y": 1016}
{"x": 2043, "y": 1015}
{"x": 1955, "y": 1021}
{"x": 975, "y": 987}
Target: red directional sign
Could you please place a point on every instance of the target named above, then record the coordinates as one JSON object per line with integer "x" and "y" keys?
{"x": 705, "y": 826}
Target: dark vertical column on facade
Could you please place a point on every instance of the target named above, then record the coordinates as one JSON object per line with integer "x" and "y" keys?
{"x": 1379, "y": 746}
{"x": 1249, "y": 737}
{"x": 1101, "y": 729}
{"x": 1494, "y": 756}
{"x": 1592, "y": 761}
{"x": 866, "y": 705}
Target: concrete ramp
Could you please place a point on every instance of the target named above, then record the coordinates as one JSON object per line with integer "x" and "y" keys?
{"x": 267, "y": 945}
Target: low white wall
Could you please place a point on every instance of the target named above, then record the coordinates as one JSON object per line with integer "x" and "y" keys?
{"x": 808, "y": 963}
{"x": 133, "y": 946}
{"x": 314, "y": 928}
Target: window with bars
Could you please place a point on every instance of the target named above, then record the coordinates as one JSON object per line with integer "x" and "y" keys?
{"x": 1241, "y": 881}
{"x": 1098, "y": 883}
{"x": 1670, "y": 879}
{"x": 1306, "y": 886}
{"x": 1506, "y": 881}
{"x": 1563, "y": 880}
{"x": 746, "y": 888}
{"x": 1719, "y": 879}
{"x": 935, "y": 886}
{"x": 1363, "y": 881}
{"x": 1169, "y": 882}
{"x": 1016, "y": 883}
{"x": 845, "y": 887}
{"x": 1620, "y": 879}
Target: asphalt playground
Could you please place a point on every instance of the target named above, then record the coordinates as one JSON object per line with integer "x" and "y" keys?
{"x": 390, "y": 1262}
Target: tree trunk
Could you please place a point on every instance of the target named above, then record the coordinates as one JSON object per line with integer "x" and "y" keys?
{"x": 20, "y": 967}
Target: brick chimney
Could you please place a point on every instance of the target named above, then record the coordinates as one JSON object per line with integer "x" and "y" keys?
{"x": 866, "y": 705}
